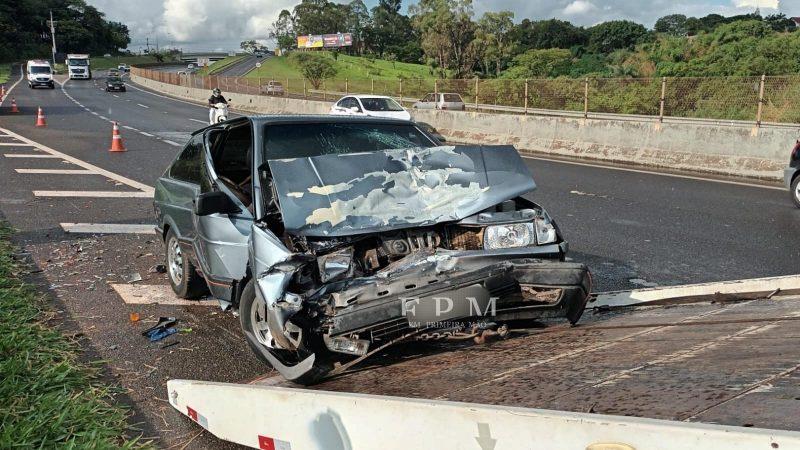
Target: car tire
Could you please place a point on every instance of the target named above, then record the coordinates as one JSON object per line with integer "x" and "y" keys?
{"x": 123, "y": 90}
{"x": 182, "y": 275}
{"x": 795, "y": 191}
{"x": 322, "y": 356}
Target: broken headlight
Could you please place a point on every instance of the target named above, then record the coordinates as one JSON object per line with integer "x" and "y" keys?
{"x": 545, "y": 230}
{"x": 509, "y": 236}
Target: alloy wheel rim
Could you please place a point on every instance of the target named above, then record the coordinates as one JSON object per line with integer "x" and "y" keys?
{"x": 175, "y": 257}
{"x": 258, "y": 318}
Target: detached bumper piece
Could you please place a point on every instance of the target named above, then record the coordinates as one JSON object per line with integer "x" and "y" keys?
{"x": 453, "y": 289}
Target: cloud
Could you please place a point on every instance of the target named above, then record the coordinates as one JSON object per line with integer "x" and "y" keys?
{"x": 198, "y": 24}
{"x": 752, "y": 4}
{"x": 579, "y": 7}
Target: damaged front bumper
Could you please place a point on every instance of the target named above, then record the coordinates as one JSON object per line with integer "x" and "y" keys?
{"x": 447, "y": 289}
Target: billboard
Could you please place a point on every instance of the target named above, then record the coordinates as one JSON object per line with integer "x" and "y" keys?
{"x": 325, "y": 40}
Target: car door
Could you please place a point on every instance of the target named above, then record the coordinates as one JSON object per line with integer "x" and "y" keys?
{"x": 339, "y": 108}
{"x": 178, "y": 189}
{"x": 427, "y": 102}
{"x": 222, "y": 238}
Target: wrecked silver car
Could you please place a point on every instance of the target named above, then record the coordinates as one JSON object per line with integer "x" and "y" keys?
{"x": 337, "y": 236}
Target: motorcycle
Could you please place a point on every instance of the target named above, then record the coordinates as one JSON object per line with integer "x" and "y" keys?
{"x": 219, "y": 113}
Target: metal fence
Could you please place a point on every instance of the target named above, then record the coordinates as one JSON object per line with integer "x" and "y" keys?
{"x": 755, "y": 99}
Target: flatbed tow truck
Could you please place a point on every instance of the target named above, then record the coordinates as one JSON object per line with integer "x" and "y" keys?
{"x": 711, "y": 366}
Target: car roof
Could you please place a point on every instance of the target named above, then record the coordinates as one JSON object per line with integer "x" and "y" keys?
{"x": 368, "y": 96}
{"x": 273, "y": 119}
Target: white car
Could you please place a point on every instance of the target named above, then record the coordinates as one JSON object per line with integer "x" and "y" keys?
{"x": 369, "y": 106}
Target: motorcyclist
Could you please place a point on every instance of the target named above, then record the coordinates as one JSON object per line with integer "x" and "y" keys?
{"x": 216, "y": 97}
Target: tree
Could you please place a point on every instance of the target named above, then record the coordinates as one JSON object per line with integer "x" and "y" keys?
{"x": 391, "y": 34}
{"x": 282, "y": 30}
{"x": 314, "y": 67}
{"x": 81, "y": 29}
{"x": 357, "y": 23}
{"x": 540, "y": 63}
{"x": 780, "y": 23}
{"x": 616, "y": 34}
{"x": 495, "y": 30}
{"x": 674, "y": 24}
{"x": 447, "y": 33}
{"x": 551, "y": 33}
{"x": 319, "y": 17}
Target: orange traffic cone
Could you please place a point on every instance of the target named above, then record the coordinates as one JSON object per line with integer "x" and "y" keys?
{"x": 40, "y": 122}
{"x": 116, "y": 140}
{"x": 14, "y": 108}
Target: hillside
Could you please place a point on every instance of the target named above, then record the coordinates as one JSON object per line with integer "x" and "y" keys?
{"x": 351, "y": 67}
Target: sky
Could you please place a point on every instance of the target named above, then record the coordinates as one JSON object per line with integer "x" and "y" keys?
{"x": 221, "y": 25}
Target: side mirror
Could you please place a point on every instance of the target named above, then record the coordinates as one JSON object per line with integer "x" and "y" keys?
{"x": 215, "y": 202}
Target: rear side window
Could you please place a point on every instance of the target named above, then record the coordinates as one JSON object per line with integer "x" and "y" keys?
{"x": 452, "y": 98}
{"x": 188, "y": 166}
{"x": 301, "y": 140}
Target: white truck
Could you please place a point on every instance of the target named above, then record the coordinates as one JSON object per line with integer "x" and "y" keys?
{"x": 78, "y": 67}
{"x": 38, "y": 72}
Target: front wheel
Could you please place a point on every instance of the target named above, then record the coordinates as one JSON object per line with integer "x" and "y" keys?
{"x": 307, "y": 365}
{"x": 183, "y": 277}
{"x": 796, "y": 191}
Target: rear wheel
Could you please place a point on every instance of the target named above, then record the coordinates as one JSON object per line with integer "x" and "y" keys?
{"x": 183, "y": 277}
{"x": 252, "y": 315}
{"x": 796, "y": 191}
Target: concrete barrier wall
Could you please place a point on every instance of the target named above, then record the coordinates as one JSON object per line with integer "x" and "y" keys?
{"x": 708, "y": 148}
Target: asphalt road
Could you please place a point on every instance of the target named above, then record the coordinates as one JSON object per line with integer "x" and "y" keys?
{"x": 247, "y": 64}
{"x": 632, "y": 229}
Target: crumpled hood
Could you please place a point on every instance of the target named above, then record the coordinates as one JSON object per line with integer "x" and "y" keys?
{"x": 346, "y": 194}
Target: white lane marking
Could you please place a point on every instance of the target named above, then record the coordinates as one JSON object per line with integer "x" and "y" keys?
{"x": 128, "y": 128}
{"x": 8, "y": 91}
{"x": 95, "y": 113}
{"x": 175, "y": 144}
{"x": 15, "y": 144}
{"x": 106, "y": 173}
{"x": 143, "y": 106}
{"x": 103, "y": 117}
{"x": 96, "y": 194}
{"x": 199, "y": 121}
{"x": 145, "y": 133}
{"x": 28, "y": 155}
{"x": 160, "y": 294}
{"x": 115, "y": 95}
{"x": 57, "y": 171}
{"x": 649, "y": 172}
{"x": 108, "y": 228}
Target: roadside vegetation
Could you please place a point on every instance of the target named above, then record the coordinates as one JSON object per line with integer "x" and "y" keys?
{"x": 5, "y": 73}
{"x": 344, "y": 66}
{"x": 48, "y": 398}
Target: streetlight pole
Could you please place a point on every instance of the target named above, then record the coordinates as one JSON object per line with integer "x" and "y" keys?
{"x": 53, "y": 36}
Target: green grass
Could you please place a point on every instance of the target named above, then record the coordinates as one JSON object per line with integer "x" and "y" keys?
{"x": 5, "y": 72}
{"x": 48, "y": 399}
{"x": 350, "y": 67}
{"x": 220, "y": 65}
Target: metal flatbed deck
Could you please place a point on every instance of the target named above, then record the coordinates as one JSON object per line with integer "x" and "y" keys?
{"x": 735, "y": 363}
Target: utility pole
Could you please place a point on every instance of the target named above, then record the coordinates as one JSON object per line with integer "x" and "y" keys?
{"x": 53, "y": 36}
{"x": 147, "y": 44}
